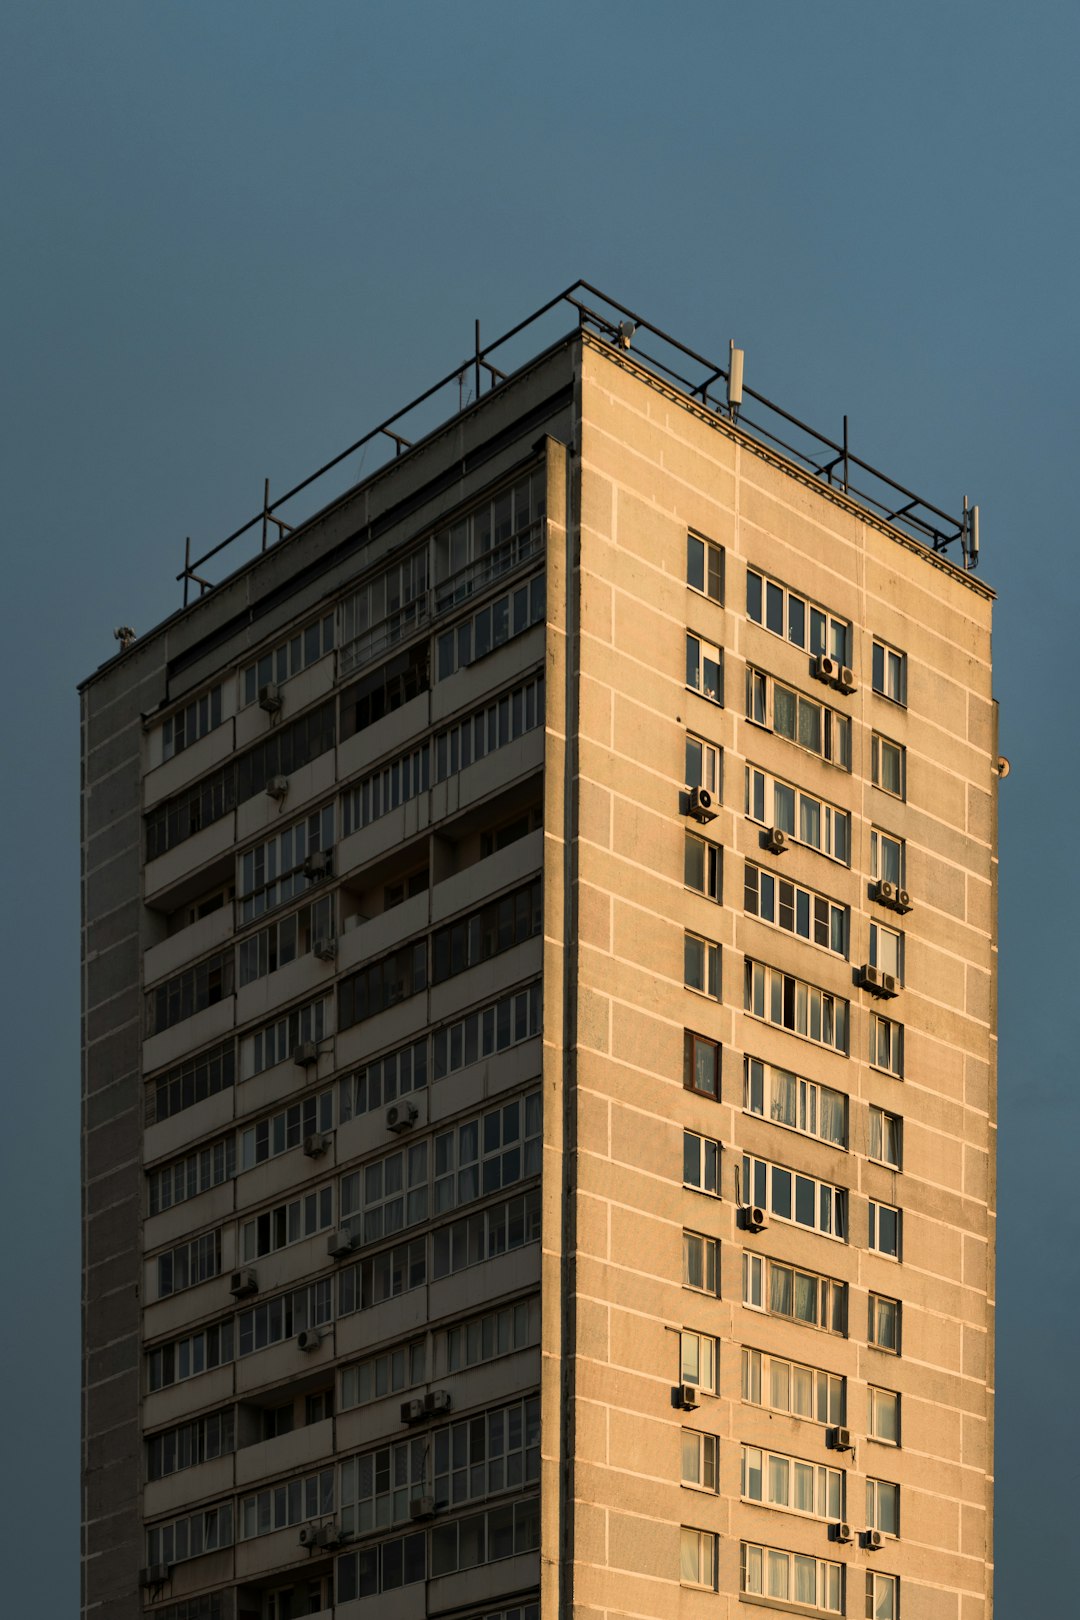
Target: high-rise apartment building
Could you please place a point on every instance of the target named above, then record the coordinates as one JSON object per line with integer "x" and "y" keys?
{"x": 539, "y": 1019}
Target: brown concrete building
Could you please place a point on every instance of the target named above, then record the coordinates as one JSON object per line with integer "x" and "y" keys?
{"x": 539, "y": 1031}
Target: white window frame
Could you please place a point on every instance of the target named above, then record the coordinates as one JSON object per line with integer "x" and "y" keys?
{"x": 275, "y": 1042}
{"x": 387, "y": 1195}
{"x": 878, "y": 1400}
{"x": 378, "y": 1484}
{"x": 794, "y": 811}
{"x": 879, "y": 1494}
{"x": 878, "y": 746}
{"x": 193, "y": 720}
{"x": 762, "y": 1372}
{"x": 754, "y": 1559}
{"x": 706, "y": 1464}
{"x": 291, "y": 1222}
{"x": 279, "y": 1133}
{"x": 497, "y": 1333}
{"x": 701, "y": 1258}
{"x": 700, "y": 1351}
{"x": 882, "y": 1596}
{"x": 827, "y": 1483}
{"x": 288, "y": 939}
{"x": 696, "y": 848}
{"x": 699, "y": 1549}
{"x": 830, "y": 1295}
{"x": 776, "y": 901}
{"x": 765, "y": 990}
{"x": 834, "y": 728}
{"x": 700, "y": 654}
{"x": 889, "y": 673}
{"x": 877, "y": 1140}
{"x": 707, "y": 1151}
{"x": 704, "y": 765}
{"x": 280, "y": 663}
{"x": 878, "y": 1239}
{"x": 880, "y": 1307}
{"x": 777, "y": 1087}
{"x": 271, "y": 874}
{"x": 379, "y": 1377}
{"x": 762, "y": 1177}
{"x": 886, "y": 1045}
{"x": 822, "y": 630}
{"x": 880, "y": 867}
{"x": 887, "y": 949}
{"x": 277, "y": 1507}
{"x": 703, "y": 964}
{"x": 705, "y": 557}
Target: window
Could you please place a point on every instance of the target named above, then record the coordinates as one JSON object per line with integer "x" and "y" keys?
{"x": 792, "y": 617}
{"x": 797, "y": 910}
{"x": 207, "y": 1607}
{"x": 883, "y": 1329}
{"x": 382, "y": 983}
{"x": 189, "y": 1264}
{"x": 280, "y": 663}
{"x": 274, "y": 1320}
{"x": 887, "y": 857}
{"x": 385, "y": 689}
{"x": 376, "y": 795}
{"x": 885, "y": 1229}
{"x": 700, "y": 1460}
{"x": 189, "y": 992}
{"x": 703, "y": 762}
{"x": 277, "y": 1228}
{"x": 190, "y": 1082}
{"x": 495, "y": 1230}
{"x": 191, "y": 1355}
{"x": 498, "y": 1333}
{"x": 882, "y": 1596}
{"x": 775, "y": 1480}
{"x": 500, "y": 621}
{"x": 500, "y": 1451}
{"x": 788, "y": 1386}
{"x": 890, "y": 672}
{"x": 194, "y": 720}
{"x": 206, "y": 1531}
{"x": 494, "y": 1028}
{"x": 705, "y": 567}
{"x": 188, "y": 1177}
{"x": 800, "y": 1296}
{"x": 701, "y": 1163}
{"x": 886, "y": 949}
{"x": 494, "y": 928}
{"x": 790, "y": 1577}
{"x": 492, "y": 539}
{"x": 701, "y": 866}
{"x": 381, "y": 1276}
{"x": 482, "y": 732}
{"x": 277, "y": 1042}
{"x": 273, "y": 872}
{"x": 814, "y": 822}
{"x": 887, "y": 766}
{"x": 883, "y": 1507}
{"x": 701, "y": 965}
{"x": 386, "y": 1374}
{"x": 191, "y": 1443}
{"x": 283, "y": 1505}
{"x": 284, "y": 941}
{"x": 281, "y": 1132}
{"x": 883, "y": 1422}
{"x": 390, "y": 606}
{"x": 699, "y": 1262}
{"x": 387, "y": 1195}
{"x": 701, "y": 1065}
{"x": 815, "y": 1014}
{"x": 697, "y": 1361}
{"x": 790, "y": 1196}
{"x": 887, "y": 1044}
{"x": 484, "y": 1538}
{"x": 884, "y": 1137}
{"x": 704, "y": 668}
{"x": 383, "y": 1080}
{"x": 487, "y": 1152}
{"x": 384, "y": 1567}
{"x": 801, "y": 1105}
{"x": 376, "y": 1488}
{"x": 810, "y": 725}
{"x": 698, "y": 1558}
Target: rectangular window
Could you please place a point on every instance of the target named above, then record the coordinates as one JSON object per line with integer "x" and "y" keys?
{"x": 886, "y": 950}
{"x": 884, "y": 1137}
{"x": 697, "y": 1361}
{"x": 475, "y": 1457}
{"x": 385, "y": 689}
{"x": 501, "y": 721}
{"x": 374, "y": 796}
{"x": 701, "y": 1163}
{"x": 884, "y": 1233}
{"x": 382, "y": 983}
{"x": 782, "y": 904}
{"x": 882, "y": 1596}
{"x": 283, "y": 1317}
{"x": 197, "y": 1172}
{"x": 498, "y": 1333}
{"x": 890, "y": 672}
{"x": 700, "y": 1262}
{"x": 189, "y": 992}
{"x": 815, "y": 822}
{"x": 883, "y": 1421}
{"x": 196, "y": 719}
{"x": 703, "y": 762}
{"x": 388, "y": 1195}
{"x": 483, "y": 934}
{"x": 705, "y": 567}
{"x": 803, "y": 721}
{"x": 191, "y": 1355}
{"x": 191, "y": 1443}
{"x": 377, "y": 1487}
{"x": 495, "y": 1028}
{"x": 495, "y": 1230}
{"x": 701, "y": 965}
{"x": 701, "y": 1065}
{"x": 801, "y": 1105}
{"x": 500, "y": 621}
{"x": 290, "y": 1503}
{"x": 775, "y": 1480}
{"x": 207, "y": 1607}
{"x": 206, "y": 1531}
{"x": 700, "y": 1460}
{"x": 384, "y": 1275}
{"x": 789, "y": 1386}
{"x": 190, "y": 1082}
{"x": 779, "y": 998}
{"x": 276, "y": 1043}
{"x": 389, "y": 608}
{"x": 385, "y": 1374}
{"x": 491, "y": 540}
{"x": 279, "y": 664}
{"x": 789, "y": 1195}
{"x": 790, "y": 1578}
{"x": 383, "y": 1080}
{"x": 704, "y": 668}
{"x": 189, "y": 1264}
{"x": 487, "y": 1152}
{"x": 287, "y": 940}
{"x": 795, "y": 619}
{"x": 883, "y": 1329}
{"x": 887, "y": 766}
{"x": 698, "y": 1558}
{"x": 701, "y": 866}
{"x": 887, "y": 857}
{"x": 291, "y": 1222}
{"x": 280, "y": 1133}
{"x": 800, "y": 1296}
{"x": 272, "y": 873}
{"x": 887, "y": 1044}
{"x": 883, "y": 1506}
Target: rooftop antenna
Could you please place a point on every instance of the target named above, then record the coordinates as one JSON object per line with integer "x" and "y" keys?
{"x": 734, "y": 381}
{"x": 969, "y": 535}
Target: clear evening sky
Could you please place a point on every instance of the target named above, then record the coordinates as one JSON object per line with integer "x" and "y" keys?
{"x": 239, "y": 234}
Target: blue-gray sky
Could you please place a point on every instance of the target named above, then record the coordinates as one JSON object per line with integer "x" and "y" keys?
{"x": 238, "y": 234}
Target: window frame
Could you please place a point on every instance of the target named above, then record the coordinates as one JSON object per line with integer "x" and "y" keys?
{"x": 712, "y": 567}
{"x": 878, "y": 930}
{"x": 829, "y": 1202}
{"x": 828, "y": 1572}
{"x": 692, "y": 1042}
{"x": 876, "y": 1318}
{"x": 808, "y": 1101}
{"x": 879, "y": 837}
{"x": 886, "y": 1044}
{"x": 701, "y": 1151}
{"x": 878, "y": 744}
{"x": 877, "y": 1240}
{"x": 768, "y": 897}
{"x": 840, "y": 650}
{"x": 876, "y": 1581}
{"x": 878, "y": 1490}
{"x": 707, "y": 1547}
{"x": 882, "y": 1133}
{"x": 702, "y": 1253}
{"x": 891, "y": 662}
{"x": 711, "y": 885}
{"x": 828, "y": 1483}
{"x": 829, "y": 816}
{"x": 873, "y": 1392}
{"x": 761, "y": 1375}
{"x": 704, "y": 1444}
{"x": 700, "y": 653}
{"x": 710, "y": 964}
{"x": 831, "y": 1293}
{"x": 711, "y": 774}
{"x": 699, "y": 1340}
{"x": 838, "y": 1007}
{"x": 834, "y": 727}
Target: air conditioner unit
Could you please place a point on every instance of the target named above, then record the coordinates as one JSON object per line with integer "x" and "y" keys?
{"x": 755, "y": 1219}
{"x": 846, "y": 679}
{"x": 401, "y": 1117}
{"x": 839, "y": 1531}
{"x": 306, "y": 1054}
{"x": 318, "y": 864}
{"x": 413, "y": 1411}
{"x": 873, "y": 1540}
{"x": 277, "y": 787}
{"x": 329, "y": 1535}
{"x": 270, "y": 697}
{"x": 316, "y": 1145}
{"x": 340, "y": 1242}
{"x": 437, "y": 1401}
{"x": 309, "y": 1535}
{"x": 903, "y": 900}
{"x": 875, "y": 980}
{"x": 825, "y": 668}
{"x": 325, "y": 949}
{"x": 154, "y": 1575}
{"x": 308, "y": 1339}
{"x": 777, "y": 840}
{"x": 885, "y": 892}
{"x": 422, "y": 1507}
{"x": 701, "y": 805}
{"x": 839, "y": 1439}
{"x": 243, "y": 1283}
{"x": 688, "y": 1396}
